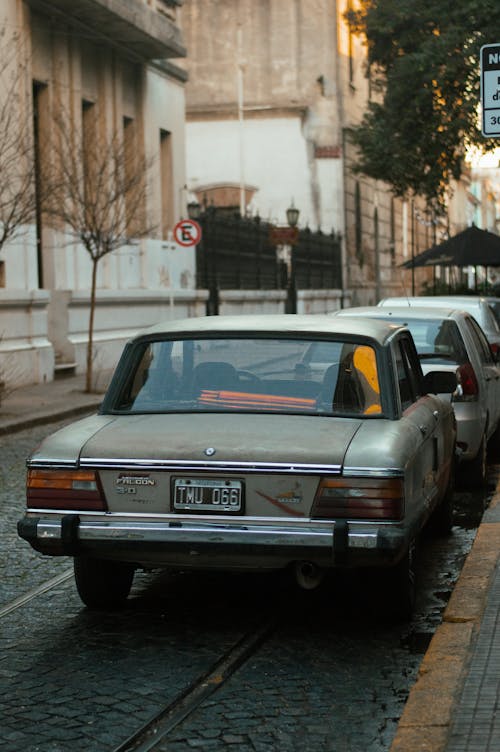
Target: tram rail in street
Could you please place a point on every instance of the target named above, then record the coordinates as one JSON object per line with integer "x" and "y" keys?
{"x": 22, "y": 600}
{"x": 149, "y": 736}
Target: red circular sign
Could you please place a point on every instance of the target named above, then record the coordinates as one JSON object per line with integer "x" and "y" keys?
{"x": 187, "y": 232}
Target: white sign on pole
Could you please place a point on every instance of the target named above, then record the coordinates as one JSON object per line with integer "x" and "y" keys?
{"x": 490, "y": 89}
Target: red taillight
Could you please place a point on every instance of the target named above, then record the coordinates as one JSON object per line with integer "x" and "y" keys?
{"x": 359, "y": 498}
{"x": 467, "y": 382}
{"x": 64, "y": 489}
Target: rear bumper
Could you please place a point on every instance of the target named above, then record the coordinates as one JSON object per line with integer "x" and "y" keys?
{"x": 251, "y": 545}
{"x": 471, "y": 423}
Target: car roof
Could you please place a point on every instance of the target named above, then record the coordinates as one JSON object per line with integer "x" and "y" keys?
{"x": 456, "y": 301}
{"x": 404, "y": 312}
{"x": 376, "y": 329}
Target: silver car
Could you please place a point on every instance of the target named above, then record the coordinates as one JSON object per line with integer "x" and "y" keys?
{"x": 479, "y": 307}
{"x": 453, "y": 340}
{"x": 215, "y": 448}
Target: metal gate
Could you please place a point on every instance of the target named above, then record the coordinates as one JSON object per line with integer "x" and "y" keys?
{"x": 237, "y": 253}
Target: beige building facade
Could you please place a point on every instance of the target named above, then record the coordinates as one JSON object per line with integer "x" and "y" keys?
{"x": 274, "y": 86}
{"x": 113, "y": 64}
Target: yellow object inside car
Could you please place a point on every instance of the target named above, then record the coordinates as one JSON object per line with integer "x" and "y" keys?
{"x": 365, "y": 363}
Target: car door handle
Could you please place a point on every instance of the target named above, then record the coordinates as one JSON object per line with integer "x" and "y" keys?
{"x": 424, "y": 430}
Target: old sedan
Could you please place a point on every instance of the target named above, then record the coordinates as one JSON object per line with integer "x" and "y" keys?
{"x": 214, "y": 448}
{"x": 452, "y": 340}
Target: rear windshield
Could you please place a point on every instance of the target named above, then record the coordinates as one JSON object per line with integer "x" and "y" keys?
{"x": 251, "y": 375}
{"x": 438, "y": 341}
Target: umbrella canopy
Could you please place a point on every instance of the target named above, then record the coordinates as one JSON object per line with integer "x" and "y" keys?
{"x": 471, "y": 247}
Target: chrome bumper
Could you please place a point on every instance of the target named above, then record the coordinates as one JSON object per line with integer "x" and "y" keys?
{"x": 189, "y": 542}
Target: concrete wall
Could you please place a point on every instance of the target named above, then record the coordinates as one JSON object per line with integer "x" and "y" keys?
{"x": 26, "y": 354}
{"x": 118, "y": 317}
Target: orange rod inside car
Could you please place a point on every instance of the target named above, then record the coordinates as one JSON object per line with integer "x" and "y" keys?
{"x": 249, "y": 399}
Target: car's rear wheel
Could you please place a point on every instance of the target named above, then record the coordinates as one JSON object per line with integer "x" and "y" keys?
{"x": 474, "y": 472}
{"x": 101, "y": 583}
{"x": 442, "y": 517}
{"x": 403, "y": 584}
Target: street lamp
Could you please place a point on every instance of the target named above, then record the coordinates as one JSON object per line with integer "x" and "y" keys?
{"x": 292, "y": 215}
{"x": 194, "y": 210}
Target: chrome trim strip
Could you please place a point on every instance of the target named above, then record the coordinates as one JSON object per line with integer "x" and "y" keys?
{"x": 373, "y": 472}
{"x": 55, "y": 463}
{"x": 171, "y": 517}
{"x": 197, "y": 466}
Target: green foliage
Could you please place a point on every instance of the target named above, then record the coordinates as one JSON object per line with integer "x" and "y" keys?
{"x": 423, "y": 61}
{"x": 440, "y": 287}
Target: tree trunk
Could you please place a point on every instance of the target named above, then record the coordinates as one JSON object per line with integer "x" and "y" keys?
{"x": 90, "y": 344}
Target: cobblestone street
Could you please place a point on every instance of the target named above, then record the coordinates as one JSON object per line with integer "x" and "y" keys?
{"x": 333, "y": 675}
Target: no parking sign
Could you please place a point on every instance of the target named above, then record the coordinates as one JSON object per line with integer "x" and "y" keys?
{"x": 187, "y": 232}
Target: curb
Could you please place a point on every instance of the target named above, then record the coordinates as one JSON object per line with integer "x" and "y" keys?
{"x": 427, "y": 716}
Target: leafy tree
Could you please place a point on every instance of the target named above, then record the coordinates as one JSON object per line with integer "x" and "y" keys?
{"x": 423, "y": 61}
{"x": 96, "y": 193}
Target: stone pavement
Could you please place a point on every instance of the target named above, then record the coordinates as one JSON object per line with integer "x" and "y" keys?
{"x": 454, "y": 705}
{"x": 25, "y": 407}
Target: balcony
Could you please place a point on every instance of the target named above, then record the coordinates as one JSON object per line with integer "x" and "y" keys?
{"x": 130, "y": 25}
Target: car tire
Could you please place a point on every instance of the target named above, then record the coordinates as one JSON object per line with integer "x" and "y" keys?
{"x": 102, "y": 584}
{"x": 403, "y": 584}
{"x": 441, "y": 521}
{"x": 475, "y": 471}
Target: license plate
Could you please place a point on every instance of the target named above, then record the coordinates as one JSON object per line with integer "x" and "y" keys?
{"x": 196, "y": 494}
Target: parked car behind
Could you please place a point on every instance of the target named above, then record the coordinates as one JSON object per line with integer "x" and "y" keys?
{"x": 453, "y": 340}
{"x": 494, "y": 304}
{"x": 213, "y": 450}
{"x": 477, "y": 306}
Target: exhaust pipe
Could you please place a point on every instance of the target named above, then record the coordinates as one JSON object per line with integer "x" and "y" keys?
{"x": 308, "y": 575}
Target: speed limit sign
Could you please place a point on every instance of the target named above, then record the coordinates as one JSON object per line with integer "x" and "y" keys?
{"x": 187, "y": 232}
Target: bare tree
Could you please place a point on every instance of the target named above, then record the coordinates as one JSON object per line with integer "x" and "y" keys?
{"x": 18, "y": 199}
{"x": 96, "y": 189}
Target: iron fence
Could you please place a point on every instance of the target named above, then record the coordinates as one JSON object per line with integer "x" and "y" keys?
{"x": 237, "y": 253}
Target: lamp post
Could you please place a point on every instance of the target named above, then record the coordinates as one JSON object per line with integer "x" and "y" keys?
{"x": 194, "y": 210}
{"x": 206, "y": 254}
{"x": 292, "y": 217}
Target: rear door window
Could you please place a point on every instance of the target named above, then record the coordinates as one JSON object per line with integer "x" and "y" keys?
{"x": 480, "y": 341}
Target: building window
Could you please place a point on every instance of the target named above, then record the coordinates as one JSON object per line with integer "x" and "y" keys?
{"x": 167, "y": 183}
{"x": 358, "y": 224}
{"x": 392, "y": 246}
{"x": 129, "y": 152}
{"x": 40, "y": 108}
{"x": 350, "y": 47}
{"x": 89, "y": 144}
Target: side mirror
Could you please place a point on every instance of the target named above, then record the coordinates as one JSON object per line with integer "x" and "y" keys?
{"x": 440, "y": 382}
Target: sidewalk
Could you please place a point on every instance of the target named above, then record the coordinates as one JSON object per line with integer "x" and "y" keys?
{"x": 33, "y": 405}
{"x": 454, "y": 706}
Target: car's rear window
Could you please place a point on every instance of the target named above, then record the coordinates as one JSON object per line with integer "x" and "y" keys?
{"x": 252, "y": 375}
{"x": 438, "y": 341}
